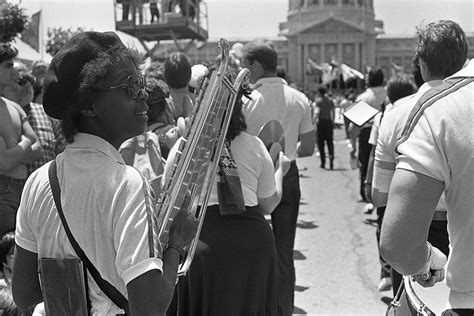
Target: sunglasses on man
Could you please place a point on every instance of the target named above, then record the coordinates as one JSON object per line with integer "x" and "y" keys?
{"x": 135, "y": 84}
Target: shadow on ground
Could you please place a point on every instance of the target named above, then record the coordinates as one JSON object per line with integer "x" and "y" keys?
{"x": 306, "y": 225}
{"x": 298, "y": 255}
{"x": 298, "y": 311}
{"x": 300, "y": 288}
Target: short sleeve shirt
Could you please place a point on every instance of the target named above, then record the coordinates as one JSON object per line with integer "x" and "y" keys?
{"x": 440, "y": 146}
{"x": 108, "y": 208}
{"x": 273, "y": 99}
{"x": 255, "y": 168}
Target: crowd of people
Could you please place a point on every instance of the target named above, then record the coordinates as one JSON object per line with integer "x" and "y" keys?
{"x": 83, "y": 149}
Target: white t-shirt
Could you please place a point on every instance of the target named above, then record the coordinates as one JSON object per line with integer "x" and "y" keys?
{"x": 441, "y": 146}
{"x": 273, "y": 99}
{"x": 105, "y": 204}
{"x": 255, "y": 168}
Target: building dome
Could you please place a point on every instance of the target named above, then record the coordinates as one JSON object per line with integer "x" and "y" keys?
{"x": 356, "y": 12}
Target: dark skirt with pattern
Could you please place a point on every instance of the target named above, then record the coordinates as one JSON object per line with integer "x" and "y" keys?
{"x": 234, "y": 268}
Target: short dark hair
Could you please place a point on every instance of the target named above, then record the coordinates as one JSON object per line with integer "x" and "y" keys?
{"x": 237, "y": 122}
{"x": 264, "y": 52}
{"x": 158, "y": 94}
{"x": 280, "y": 72}
{"x": 399, "y": 86}
{"x": 155, "y": 70}
{"x": 375, "y": 77}
{"x": 416, "y": 72}
{"x": 177, "y": 70}
{"x": 322, "y": 90}
{"x": 7, "y": 52}
{"x": 442, "y": 46}
{"x": 7, "y": 241}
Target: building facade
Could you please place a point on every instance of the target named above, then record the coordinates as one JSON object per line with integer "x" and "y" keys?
{"x": 337, "y": 31}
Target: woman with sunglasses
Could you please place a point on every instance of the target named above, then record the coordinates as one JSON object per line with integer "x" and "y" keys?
{"x": 94, "y": 85}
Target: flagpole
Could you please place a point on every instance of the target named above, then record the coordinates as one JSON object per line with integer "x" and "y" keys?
{"x": 41, "y": 31}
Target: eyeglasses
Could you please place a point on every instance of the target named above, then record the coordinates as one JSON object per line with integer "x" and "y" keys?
{"x": 135, "y": 84}
{"x": 24, "y": 78}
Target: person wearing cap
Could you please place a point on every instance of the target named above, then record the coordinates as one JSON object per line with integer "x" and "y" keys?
{"x": 18, "y": 144}
{"x": 47, "y": 129}
{"x": 94, "y": 85}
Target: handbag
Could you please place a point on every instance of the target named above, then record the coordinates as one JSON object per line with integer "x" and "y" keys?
{"x": 112, "y": 293}
{"x": 229, "y": 188}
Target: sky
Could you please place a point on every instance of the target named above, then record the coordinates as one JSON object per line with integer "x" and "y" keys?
{"x": 234, "y": 19}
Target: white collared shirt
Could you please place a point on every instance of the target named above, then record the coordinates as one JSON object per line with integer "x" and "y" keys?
{"x": 105, "y": 204}
{"x": 273, "y": 99}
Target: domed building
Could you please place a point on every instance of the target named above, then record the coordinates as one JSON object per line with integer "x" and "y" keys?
{"x": 328, "y": 31}
{"x": 332, "y": 31}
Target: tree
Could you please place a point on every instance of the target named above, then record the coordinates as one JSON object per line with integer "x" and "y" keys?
{"x": 57, "y": 37}
{"x": 12, "y": 21}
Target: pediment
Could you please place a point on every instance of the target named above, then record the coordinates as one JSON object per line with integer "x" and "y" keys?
{"x": 331, "y": 25}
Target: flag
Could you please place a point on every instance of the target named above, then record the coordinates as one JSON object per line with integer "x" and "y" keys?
{"x": 312, "y": 68}
{"x": 348, "y": 73}
{"x": 396, "y": 69}
{"x": 330, "y": 73}
{"x": 31, "y": 35}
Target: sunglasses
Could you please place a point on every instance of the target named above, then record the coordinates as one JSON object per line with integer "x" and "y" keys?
{"x": 135, "y": 84}
{"x": 23, "y": 79}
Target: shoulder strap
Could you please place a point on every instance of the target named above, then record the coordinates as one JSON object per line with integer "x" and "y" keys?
{"x": 105, "y": 286}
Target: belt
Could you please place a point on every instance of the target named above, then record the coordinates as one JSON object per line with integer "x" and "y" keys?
{"x": 439, "y": 216}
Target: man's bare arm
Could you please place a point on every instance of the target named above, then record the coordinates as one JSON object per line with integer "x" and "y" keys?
{"x": 306, "y": 146}
{"x": 12, "y": 157}
{"x": 411, "y": 203}
{"x": 35, "y": 153}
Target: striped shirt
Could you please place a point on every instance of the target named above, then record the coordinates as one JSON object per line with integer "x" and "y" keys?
{"x": 438, "y": 142}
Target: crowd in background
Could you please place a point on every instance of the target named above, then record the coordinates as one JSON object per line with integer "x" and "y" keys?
{"x": 264, "y": 278}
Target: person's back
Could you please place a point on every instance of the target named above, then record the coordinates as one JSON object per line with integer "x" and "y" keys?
{"x": 325, "y": 106}
{"x": 273, "y": 99}
{"x": 452, "y": 163}
{"x": 285, "y": 105}
{"x": 436, "y": 156}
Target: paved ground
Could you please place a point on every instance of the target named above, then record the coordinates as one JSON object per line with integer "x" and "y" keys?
{"x": 336, "y": 257}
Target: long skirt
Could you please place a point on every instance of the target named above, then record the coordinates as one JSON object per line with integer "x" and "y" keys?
{"x": 234, "y": 268}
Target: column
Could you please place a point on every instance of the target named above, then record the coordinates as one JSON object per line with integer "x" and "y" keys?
{"x": 323, "y": 53}
{"x": 357, "y": 56}
{"x": 305, "y": 61}
{"x": 299, "y": 71}
{"x": 339, "y": 53}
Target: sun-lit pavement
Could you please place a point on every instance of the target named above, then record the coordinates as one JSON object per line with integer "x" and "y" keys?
{"x": 336, "y": 258}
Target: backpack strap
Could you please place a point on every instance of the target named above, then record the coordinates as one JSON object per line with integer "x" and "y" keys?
{"x": 109, "y": 290}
